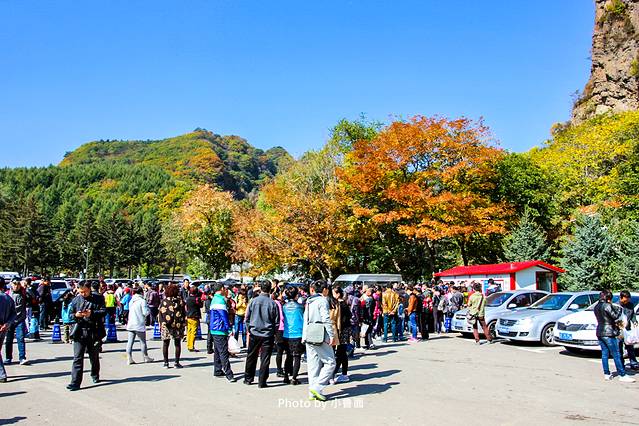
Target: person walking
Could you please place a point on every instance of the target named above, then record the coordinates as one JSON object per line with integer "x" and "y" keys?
{"x": 110, "y": 304}
{"x": 172, "y": 318}
{"x": 89, "y": 315}
{"x": 343, "y": 336}
{"x": 607, "y": 316}
{"x": 193, "y": 317}
{"x": 136, "y": 326}
{"x": 18, "y": 329}
{"x": 293, "y": 313}
{"x": 67, "y": 318}
{"x": 262, "y": 321}
{"x": 629, "y": 310}
{"x": 477, "y": 313}
{"x": 7, "y": 318}
{"x": 279, "y": 334}
{"x": 220, "y": 328}
{"x": 319, "y": 336}
{"x": 240, "y": 311}
{"x": 390, "y": 305}
{"x": 368, "y": 317}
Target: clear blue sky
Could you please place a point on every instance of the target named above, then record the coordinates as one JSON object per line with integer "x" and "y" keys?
{"x": 280, "y": 73}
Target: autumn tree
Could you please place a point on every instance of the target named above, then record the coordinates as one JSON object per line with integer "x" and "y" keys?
{"x": 431, "y": 178}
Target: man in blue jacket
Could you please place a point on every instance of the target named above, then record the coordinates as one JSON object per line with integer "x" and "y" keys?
{"x": 220, "y": 327}
{"x": 7, "y": 318}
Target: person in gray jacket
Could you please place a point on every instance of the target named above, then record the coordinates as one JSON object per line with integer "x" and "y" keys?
{"x": 320, "y": 355}
{"x": 262, "y": 320}
{"x": 18, "y": 329}
{"x": 7, "y": 318}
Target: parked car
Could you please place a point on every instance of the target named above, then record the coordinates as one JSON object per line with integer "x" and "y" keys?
{"x": 8, "y": 275}
{"x": 537, "y": 322}
{"x": 58, "y": 289}
{"x": 118, "y": 281}
{"x": 578, "y": 331}
{"x": 498, "y": 304}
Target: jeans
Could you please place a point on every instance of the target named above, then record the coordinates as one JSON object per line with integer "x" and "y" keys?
{"x": 141, "y": 335}
{"x": 320, "y": 361}
{"x": 240, "y": 328}
{"x": 437, "y": 319}
{"x": 3, "y": 372}
{"x": 392, "y": 319}
{"x": 413, "y": 324}
{"x": 19, "y": 331}
{"x": 44, "y": 313}
{"x": 221, "y": 363}
{"x": 610, "y": 346}
{"x": 255, "y": 344}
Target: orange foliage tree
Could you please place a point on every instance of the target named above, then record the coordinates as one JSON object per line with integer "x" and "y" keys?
{"x": 430, "y": 177}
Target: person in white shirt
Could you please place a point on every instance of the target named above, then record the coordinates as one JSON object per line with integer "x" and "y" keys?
{"x": 136, "y": 325}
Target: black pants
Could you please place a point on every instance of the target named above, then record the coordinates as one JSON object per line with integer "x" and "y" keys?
{"x": 281, "y": 348}
{"x": 341, "y": 359}
{"x": 294, "y": 350}
{"x": 221, "y": 363}
{"x": 255, "y": 343}
{"x": 178, "y": 350}
{"x": 209, "y": 336}
{"x": 81, "y": 346}
{"x": 424, "y": 320}
{"x": 368, "y": 336}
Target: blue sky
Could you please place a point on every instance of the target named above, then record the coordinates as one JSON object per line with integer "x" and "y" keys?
{"x": 281, "y": 72}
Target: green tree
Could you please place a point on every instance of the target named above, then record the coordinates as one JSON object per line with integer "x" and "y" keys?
{"x": 588, "y": 256}
{"x": 626, "y": 266}
{"x": 526, "y": 242}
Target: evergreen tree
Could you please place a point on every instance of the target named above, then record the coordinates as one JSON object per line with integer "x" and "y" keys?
{"x": 526, "y": 242}
{"x": 626, "y": 266}
{"x": 588, "y": 256}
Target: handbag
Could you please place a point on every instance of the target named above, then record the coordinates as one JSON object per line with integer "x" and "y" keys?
{"x": 315, "y": 333}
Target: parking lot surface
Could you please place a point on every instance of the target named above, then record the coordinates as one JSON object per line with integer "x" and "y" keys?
{"x": 447, "y": 380}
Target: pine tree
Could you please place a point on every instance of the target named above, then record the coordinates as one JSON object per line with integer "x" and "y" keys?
{"x": 626, "y": 267}
{"x": 526, "y": 242}
{"x": 588, "y": 256}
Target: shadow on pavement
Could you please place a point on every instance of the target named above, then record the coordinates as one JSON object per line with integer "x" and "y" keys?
{"x": 107, "y": 382}
{"x": 362, "y": 366}
{"x": 378, "y": 352}
{"x": 376, "y": 375}
{"x": 22, "y": 377}
{"x": 364, "y": 389}
{"x": 12, "y": 420}
{"x": 2, "y": 395}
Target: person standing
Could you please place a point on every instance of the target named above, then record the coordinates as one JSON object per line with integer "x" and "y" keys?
{"x": 390, "y": 305}
{"x": 279, "y": 334}
{"x": 368, "y": 317}
{"x": 33, "y": 310}
{"x": 629, "y": 310}
{"x": 411, "y": 310}
{"x": 193, "y": 316}
{"x": 153, "y": 302}
{"x": 220, "y": 328}
{"x": 477, "y": 313}
{"x": 99, "y": 288}
{"x": 293, "y": 313}
{"x": 607, "y": 316}
{"x": 343, "y": 336}
{"x": 110, "y": 305}
{"x": 319, "y": 336}
{"x": 126, "y": 299}
{"x": 45, "y": 299}
{"x": 89, "y": 313}
{"x": 172, "y": 317}
{"x": 240, "y": 311}
{"x": 262, "y": 321}
{"x": 7, "y": 318}
{"x": 136, "y": 325}
{"x": 18, "y": 328}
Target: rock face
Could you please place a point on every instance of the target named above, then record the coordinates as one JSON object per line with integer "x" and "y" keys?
{"x": 614, "y": 75}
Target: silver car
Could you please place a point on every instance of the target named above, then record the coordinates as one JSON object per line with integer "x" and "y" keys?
{"x": 498, "y": 304}
{"x": 537, "y": 323}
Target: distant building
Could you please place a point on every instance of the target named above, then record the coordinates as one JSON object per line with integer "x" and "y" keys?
{"x": 529, "y": 275}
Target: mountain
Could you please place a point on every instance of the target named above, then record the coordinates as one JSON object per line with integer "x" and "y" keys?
{"x": 201, "y": 156}
{"x": 614, "y": 75}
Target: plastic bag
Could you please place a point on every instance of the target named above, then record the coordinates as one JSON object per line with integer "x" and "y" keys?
{"x": 631, "y": 337}
{"x": 234, "y": 346}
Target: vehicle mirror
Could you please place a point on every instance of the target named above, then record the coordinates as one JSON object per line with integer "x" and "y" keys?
{"x": 573, "y": 307}
{"x": 512, "y": 306}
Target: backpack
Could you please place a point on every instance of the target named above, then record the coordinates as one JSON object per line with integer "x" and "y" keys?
{"x": 443, "y": 303}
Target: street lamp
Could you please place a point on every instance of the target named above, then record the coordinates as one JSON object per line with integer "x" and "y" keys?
{"x": 86, "y": 265}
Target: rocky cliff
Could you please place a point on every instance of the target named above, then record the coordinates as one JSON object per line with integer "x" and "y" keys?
{"x": 614, "y": 75}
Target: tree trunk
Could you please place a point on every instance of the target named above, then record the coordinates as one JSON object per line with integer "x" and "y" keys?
{"x": 432, "y": 255}
{"x": 462, "y": 248}
{"x": 390, "y": 253}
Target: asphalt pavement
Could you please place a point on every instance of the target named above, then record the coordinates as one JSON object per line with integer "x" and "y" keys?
{"x": 446, "y": 380}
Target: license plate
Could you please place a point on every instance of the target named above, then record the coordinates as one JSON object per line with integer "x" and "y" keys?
{"x": 503, "y": 331}
{"x": 457, "y": 324}
{"x": 565, "y": 336}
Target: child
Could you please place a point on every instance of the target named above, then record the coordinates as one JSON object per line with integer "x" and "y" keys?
{"x": 67, "y": 318}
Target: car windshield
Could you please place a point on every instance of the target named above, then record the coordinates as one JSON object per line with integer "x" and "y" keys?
{"x": 55, "y": 285}
{"x": 552, "y": 302}
{"x": 497, "y": 299}
{"x": 615, "y": 299}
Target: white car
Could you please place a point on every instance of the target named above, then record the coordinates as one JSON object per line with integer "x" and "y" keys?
{"x": 578, "y": 332}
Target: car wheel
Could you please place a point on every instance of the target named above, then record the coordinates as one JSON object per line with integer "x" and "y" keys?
{"x": 547, "y": 338}
{"x": 491, "y": 329}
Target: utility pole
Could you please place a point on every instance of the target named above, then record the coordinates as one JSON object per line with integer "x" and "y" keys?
{"x": 86, "y": 265}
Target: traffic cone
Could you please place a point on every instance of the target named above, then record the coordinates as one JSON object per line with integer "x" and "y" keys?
{"x": 112, "y": 335}
{"x": 56, "y": 337}
{"x": 198, "y": 334}
{"x": 156, "y": 331}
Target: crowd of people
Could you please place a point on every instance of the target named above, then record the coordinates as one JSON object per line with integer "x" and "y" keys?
{"x": 322, "y": 324}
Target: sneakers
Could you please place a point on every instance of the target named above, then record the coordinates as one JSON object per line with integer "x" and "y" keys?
{"x": 166, "y": 365}
{"x": 626, "y": 379}
{"x": 177, "y": 365}
{"x": 342, "y": 379}
{"x": 412, "y": 340}
{"x": 148, "y": 359}
{"x": 315, "y": 395}
{"x": 607, "y": 376}
{"x": 130, "y": 361}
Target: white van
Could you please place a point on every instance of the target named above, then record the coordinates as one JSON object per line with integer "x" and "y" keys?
{"x": 8, "y": 276}
{"x": 358, "y": 280}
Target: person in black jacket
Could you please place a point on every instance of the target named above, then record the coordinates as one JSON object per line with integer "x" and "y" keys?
{"x": 18, "y": 328}
{"x": 629, "y": 310}
{"x": 607, "y": 316}
{"x": 89, "y": 316}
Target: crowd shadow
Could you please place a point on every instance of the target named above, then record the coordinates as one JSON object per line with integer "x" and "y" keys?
{"x": 110, "y": 382}
{"x": 49, "y": 360}
{"x": 6, "y": 394}
{"x": 363, "y": 389}
{"x": 12, "y": 420}
{"x": 21, "y": 377}
{"x": 373, "y": 375}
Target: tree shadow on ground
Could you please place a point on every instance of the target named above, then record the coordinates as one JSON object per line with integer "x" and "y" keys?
{"x": 12, "y": 420}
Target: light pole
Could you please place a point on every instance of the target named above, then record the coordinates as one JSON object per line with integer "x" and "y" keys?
{"x": 86, "y": 265}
